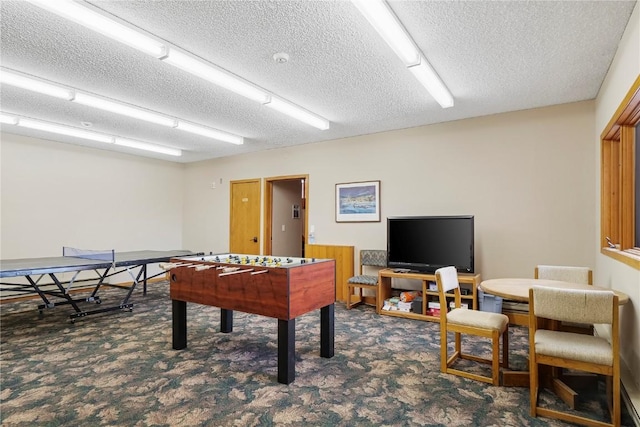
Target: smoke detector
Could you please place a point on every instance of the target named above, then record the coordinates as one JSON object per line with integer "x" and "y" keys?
{"x": 281, "y": 57}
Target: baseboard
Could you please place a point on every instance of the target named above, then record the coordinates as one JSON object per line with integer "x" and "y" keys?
{"x": 149, "y": 281}
{"x": 630, "y": 394}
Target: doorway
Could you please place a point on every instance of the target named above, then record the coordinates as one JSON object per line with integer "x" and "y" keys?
{"x": 285, "y": 212}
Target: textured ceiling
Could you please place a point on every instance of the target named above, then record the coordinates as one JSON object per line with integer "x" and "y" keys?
{"x": 495, "y": 56}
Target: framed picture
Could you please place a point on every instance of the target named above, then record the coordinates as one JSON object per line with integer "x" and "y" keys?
{"x": 358, "y": 202}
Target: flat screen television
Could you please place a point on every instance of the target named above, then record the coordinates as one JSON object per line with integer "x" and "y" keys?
{"x": 426, "y": 243}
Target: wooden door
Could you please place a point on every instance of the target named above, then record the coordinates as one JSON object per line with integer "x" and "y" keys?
{"x": 244, "y": 233}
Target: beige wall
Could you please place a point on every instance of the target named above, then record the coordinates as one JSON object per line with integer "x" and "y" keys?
{"x": 526, "y": 176}
{"x": 56, "y": 195}
{"x": 609, "y": 272}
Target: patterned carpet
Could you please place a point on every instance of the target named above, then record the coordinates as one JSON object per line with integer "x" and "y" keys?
{"x": 119, "y": 369}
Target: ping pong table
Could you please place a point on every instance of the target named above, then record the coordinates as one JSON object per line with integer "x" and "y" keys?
{"x": 26, "y": 274}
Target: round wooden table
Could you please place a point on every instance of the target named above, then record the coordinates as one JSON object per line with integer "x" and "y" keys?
{"x": 518, "y": 289}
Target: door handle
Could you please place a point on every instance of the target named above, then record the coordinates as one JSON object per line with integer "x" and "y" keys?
{"x": 254, "y": 240}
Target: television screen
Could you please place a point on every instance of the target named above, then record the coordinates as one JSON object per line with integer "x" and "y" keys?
{"x": 426, "y": 243}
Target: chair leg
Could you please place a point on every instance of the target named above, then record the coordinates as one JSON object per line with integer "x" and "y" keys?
{"x": 533, "y": 385}
{"x": 615, "y": 396}
{"x": 443, "y": 348}
{"x": 495, "y": 359}
{"x": 505, "y": 348}
{"x": 458, "y": 339}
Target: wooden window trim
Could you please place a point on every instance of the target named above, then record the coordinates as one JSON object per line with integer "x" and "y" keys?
{"x": 617, "y": 141}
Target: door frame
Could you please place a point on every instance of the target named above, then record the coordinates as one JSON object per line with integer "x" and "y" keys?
{"x": 268, "y": 209}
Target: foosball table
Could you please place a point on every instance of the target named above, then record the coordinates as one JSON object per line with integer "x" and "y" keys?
{"x": 283, "y": 288}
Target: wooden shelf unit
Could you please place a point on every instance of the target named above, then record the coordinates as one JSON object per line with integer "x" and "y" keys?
{"x": 385, "y": 289}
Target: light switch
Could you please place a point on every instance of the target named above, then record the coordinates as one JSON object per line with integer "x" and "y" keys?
{"x": 283, "y": 227}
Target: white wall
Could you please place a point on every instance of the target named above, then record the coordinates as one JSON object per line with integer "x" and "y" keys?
{"x": 56, "y": 195}
{"x": 609, "y": 272}
{"x": 526, "y": 176}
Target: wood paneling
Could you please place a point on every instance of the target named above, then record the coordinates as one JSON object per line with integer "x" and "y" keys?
{"x": 344, "y": 264}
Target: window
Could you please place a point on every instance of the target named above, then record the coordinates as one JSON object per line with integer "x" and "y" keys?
{"x": 620, "y": 182}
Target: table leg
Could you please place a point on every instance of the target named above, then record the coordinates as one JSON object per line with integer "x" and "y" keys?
{"x": 226, "y": 320}
{"x": 179, "y": 313}
{"x": 286, "y": 351}
{"x": 327, "y": 328}
{"x": 144, "y": 279}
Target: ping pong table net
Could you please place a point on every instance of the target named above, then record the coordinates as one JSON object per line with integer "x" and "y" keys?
{"x": 99, "y": 255}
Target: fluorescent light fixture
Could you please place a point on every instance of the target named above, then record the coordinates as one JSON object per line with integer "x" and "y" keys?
{"x": 215, "y": 75}
{"x": 125, "y": 110}
{"x": 93, "y": 20}
{"x": 298, "y": 113}
{"x": 114, "y": 107}
{"x": 64, "y": 130}
{"x": 210, "y": 133}
{"x": 431, "y": 81}
{"x": 8, "y": 120}
{"x": 391, "y": 30}
{"x": 387, "y": 25}
{"x": 34, "y": 85}
{"x": 115, "y": 30}
{"x": 147, "y": 147}
{"x": 83, "y": 134}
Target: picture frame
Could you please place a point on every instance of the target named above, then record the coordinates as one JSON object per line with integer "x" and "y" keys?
{"x": 358, "y": 201}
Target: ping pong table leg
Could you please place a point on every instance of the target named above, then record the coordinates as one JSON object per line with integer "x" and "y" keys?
{"x": 94, "y": 295}
{"x": 179, "y": 313}
{"x": 144, "y": 279}
{"x": 34, "y": 284}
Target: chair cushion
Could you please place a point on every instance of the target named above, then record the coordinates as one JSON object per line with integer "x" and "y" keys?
{"x": 480, "y": 319}
{"x": 580, "y": 347}
{"x": 363, "y": 279}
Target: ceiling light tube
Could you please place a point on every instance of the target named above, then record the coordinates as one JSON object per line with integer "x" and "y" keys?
{"x": 124, "y": 142}
{"x": 210, "y": 133}
{"x": 64, "y": 130}
{"x": 214, "y": 75}
{"x": 390, "y": 29}
{"x": 298, "y": 113}
{"x": 95, "y": 21}
{"x": 34, "y": 85}
{"x": 8, "y": 120}
{"x": 125, "y": 110}
{"x": 432, "y": 82}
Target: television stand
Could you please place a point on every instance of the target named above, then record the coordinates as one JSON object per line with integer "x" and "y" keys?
{"x": 469, "y": 282}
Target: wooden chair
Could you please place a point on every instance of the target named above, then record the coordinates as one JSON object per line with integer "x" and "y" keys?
{"x": 576, "y": 351}
{"x": 472, "y": 322}
{"x": 373, "y": 258}
{"x": 568, "y": 274}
